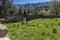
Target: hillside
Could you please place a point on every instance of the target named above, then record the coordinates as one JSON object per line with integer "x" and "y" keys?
{"x": 38, "y": 29}
{"x": 33, "y": 6}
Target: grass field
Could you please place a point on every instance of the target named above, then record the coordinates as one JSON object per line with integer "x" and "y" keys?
{"x": 38, "y": 29}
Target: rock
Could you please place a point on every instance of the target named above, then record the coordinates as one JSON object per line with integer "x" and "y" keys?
{"x": 4, "y": 39}
{"x": 3, "y": 32}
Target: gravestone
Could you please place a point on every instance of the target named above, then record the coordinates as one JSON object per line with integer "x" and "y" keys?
{"x": 3, "y": 32}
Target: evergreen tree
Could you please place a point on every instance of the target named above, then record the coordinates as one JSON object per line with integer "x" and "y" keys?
{"x": 6, "y": 8}
{"x": 20, "y": 11}
{"x": 55, "y": 6}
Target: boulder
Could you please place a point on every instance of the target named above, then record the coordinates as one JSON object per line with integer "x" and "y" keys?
{"x": 3, "y": 32}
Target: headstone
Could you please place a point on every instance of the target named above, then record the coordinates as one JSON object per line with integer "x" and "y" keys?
{"x": 3, "y": 32}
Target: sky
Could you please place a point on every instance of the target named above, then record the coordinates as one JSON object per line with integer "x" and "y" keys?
{"x": 28, "y": 1}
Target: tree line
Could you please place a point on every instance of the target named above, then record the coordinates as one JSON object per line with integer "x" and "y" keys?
{"x": 7, "y": 10}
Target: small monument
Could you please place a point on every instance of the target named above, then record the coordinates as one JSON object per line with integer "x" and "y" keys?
{"x": 3, "y": 32}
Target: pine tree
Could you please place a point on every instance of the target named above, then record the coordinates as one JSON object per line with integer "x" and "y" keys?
{"x": 55, "y": 6}
{"x": 6, "y": 7}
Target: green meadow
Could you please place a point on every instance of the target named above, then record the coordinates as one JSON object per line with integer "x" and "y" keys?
{"x": 37, "y": 29}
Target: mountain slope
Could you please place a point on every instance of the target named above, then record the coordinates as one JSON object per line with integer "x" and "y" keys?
{"x": 34, "y": 5}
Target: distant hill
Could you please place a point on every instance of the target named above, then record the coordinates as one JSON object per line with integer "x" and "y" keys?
{"x": 32, "y": 6}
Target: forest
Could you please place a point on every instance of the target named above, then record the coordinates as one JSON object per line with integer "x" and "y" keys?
{"x": 30, "y": 11}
